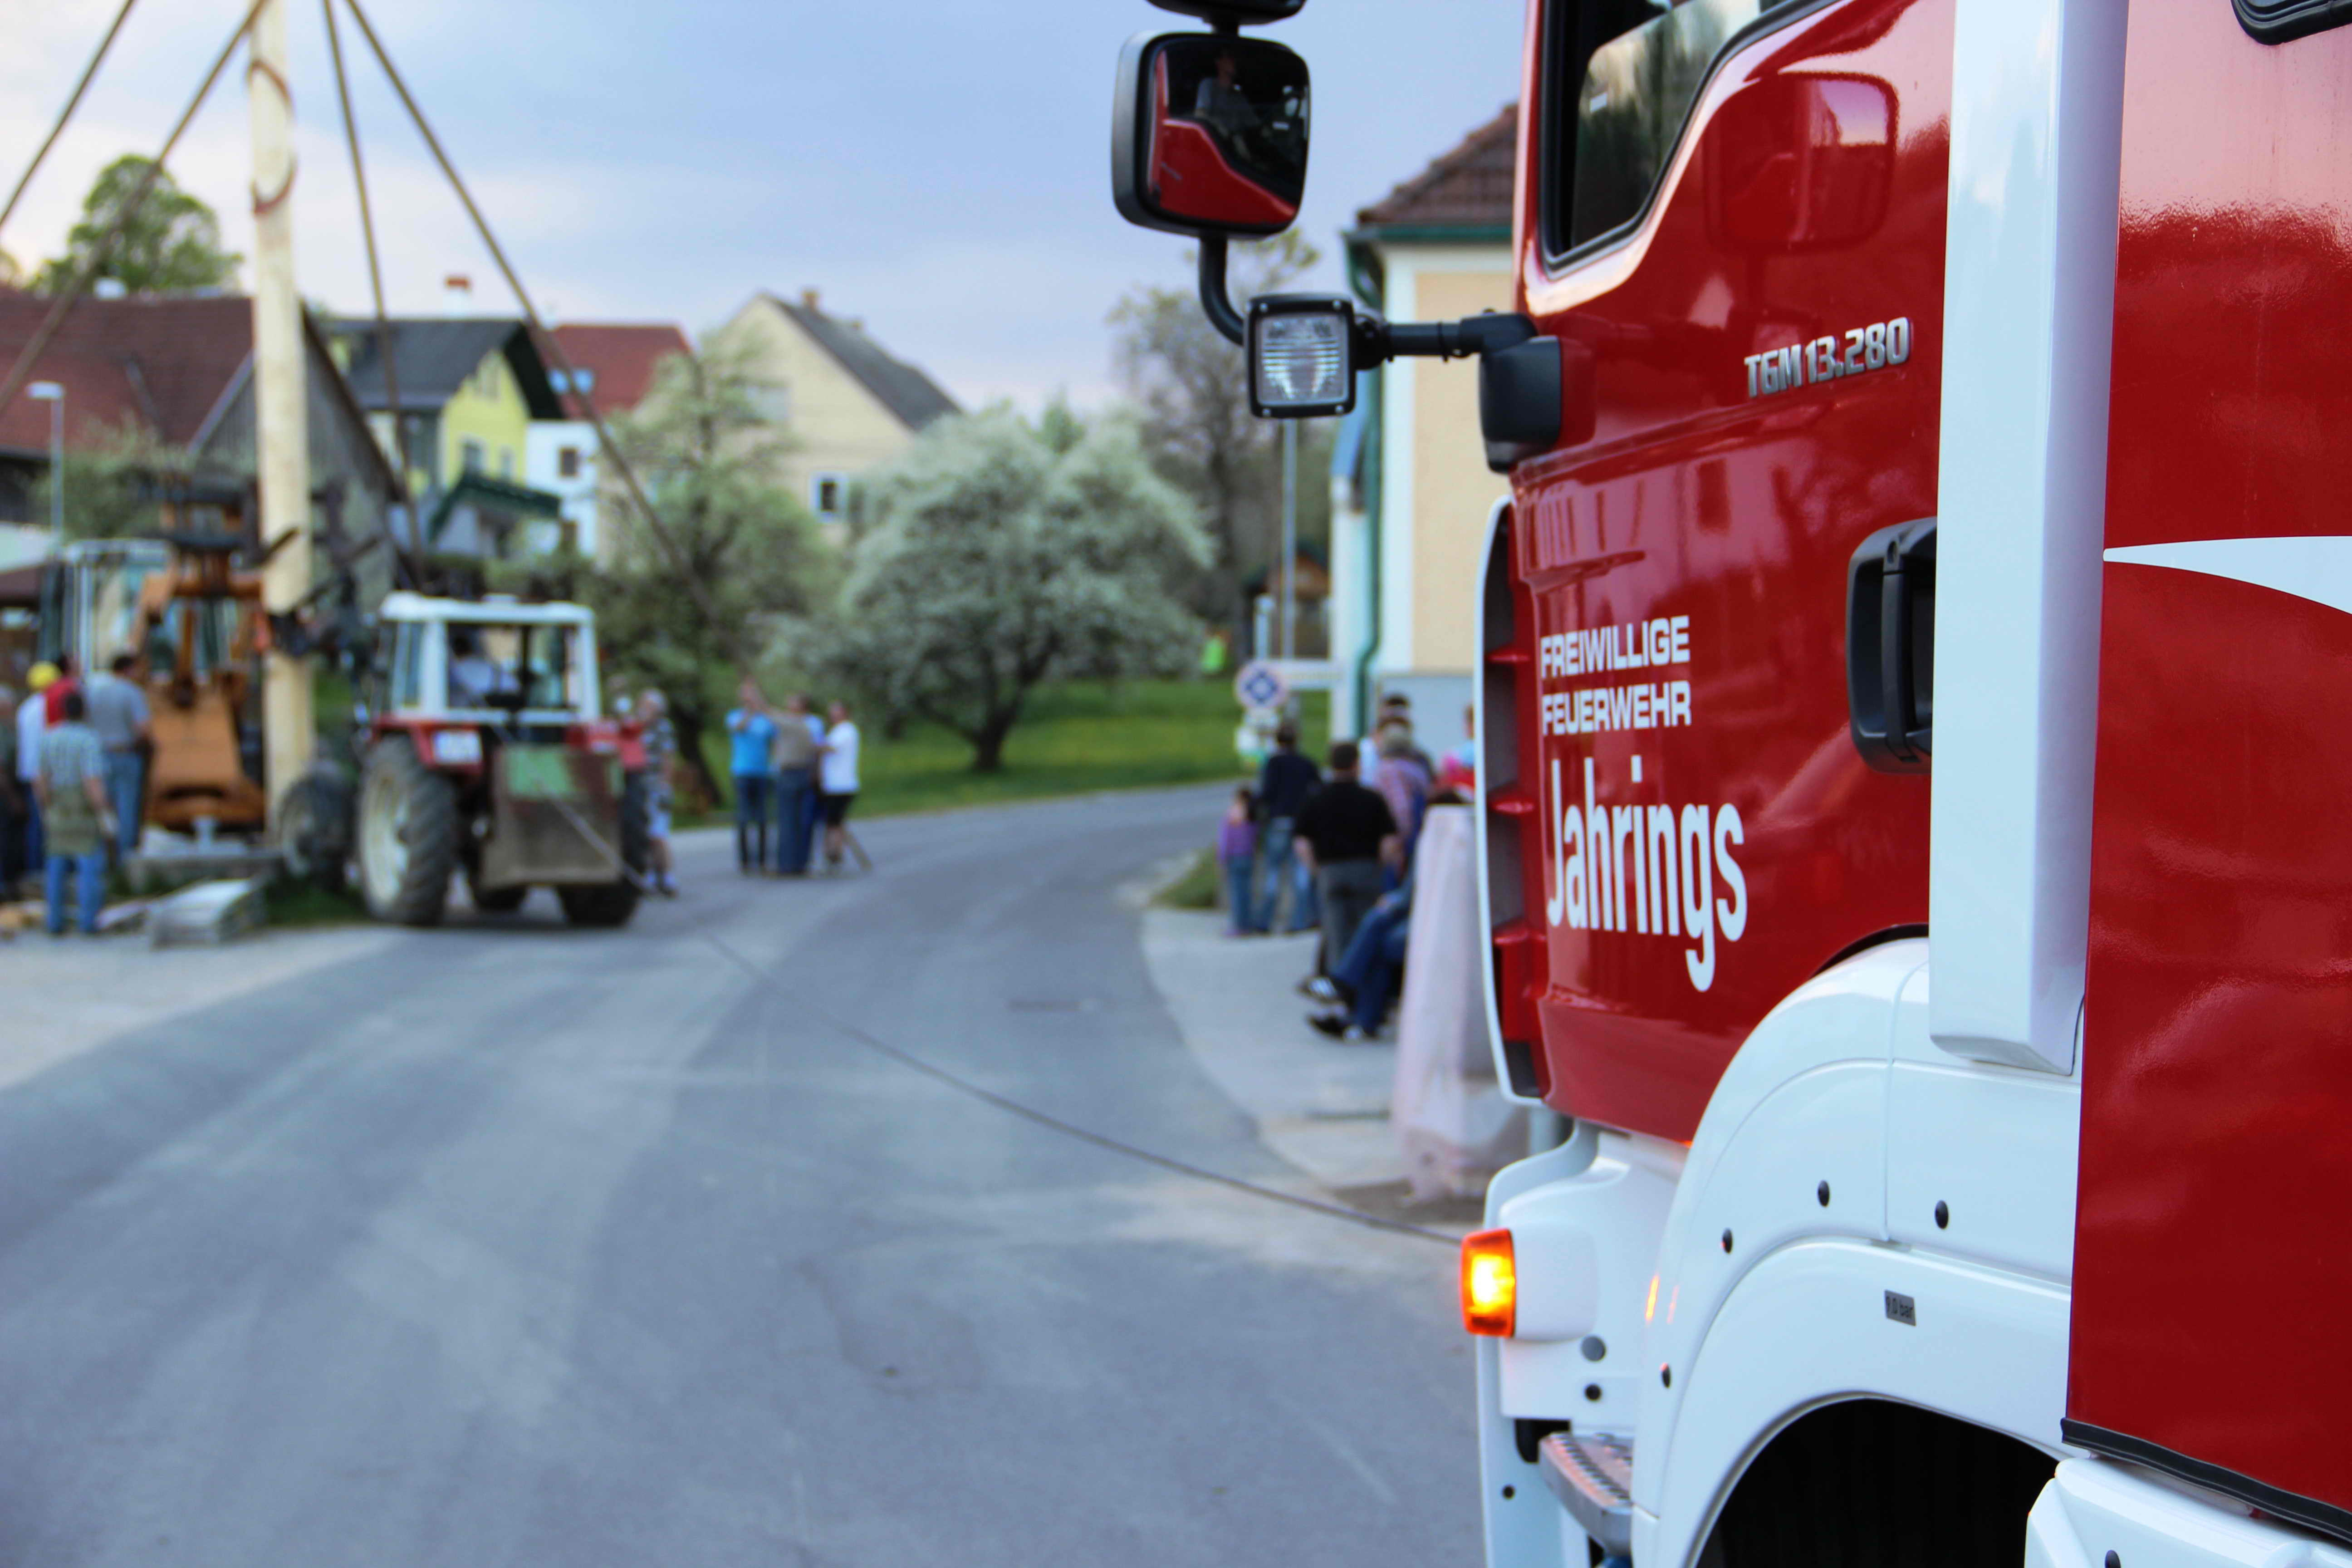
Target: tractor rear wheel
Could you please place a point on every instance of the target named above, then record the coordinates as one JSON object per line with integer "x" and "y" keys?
{"x": 408, "y": 836}
{"x": 313, "y": 832}
{"x": 612, "y": 903}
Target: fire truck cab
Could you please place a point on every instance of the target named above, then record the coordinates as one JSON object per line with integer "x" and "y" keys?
{"x": 1913, "y": 854}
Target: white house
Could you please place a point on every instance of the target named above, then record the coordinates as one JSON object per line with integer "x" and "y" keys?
{"x": 615, "y": 361}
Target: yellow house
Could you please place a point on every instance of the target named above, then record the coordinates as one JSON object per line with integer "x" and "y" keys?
{"x": 1411, "y": 491}
{"x": 470, "y": 388}
{"x": 847, "y": 402}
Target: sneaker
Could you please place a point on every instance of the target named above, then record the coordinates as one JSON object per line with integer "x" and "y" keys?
{"x": 1334, "y": 1025}
{"x": 1321, "y": 988}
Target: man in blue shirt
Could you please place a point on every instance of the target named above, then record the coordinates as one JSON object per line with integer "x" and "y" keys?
{"x": 751, "y": 729}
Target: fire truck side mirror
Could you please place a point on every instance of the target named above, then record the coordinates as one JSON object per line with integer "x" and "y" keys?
{"x": 1209, "y": 135}
{"x": 1800, "y": 162}
{"x": 1890, "y": 647}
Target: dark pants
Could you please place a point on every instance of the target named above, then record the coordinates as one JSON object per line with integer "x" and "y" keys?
{"x": 795, "y": 811}
{"x": 752, "y": 792}
{"x": 11, "y": 843}
{"x": 1350, "y": 888}
{"x": 1367, "y": 973}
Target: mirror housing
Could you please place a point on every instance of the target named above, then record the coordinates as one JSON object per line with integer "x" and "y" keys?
{"x": 1800, "y": 162}
{"x": 1209, "y": 135}
{"x": 1246, "y": 12}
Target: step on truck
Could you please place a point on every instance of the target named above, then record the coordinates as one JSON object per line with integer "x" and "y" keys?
{"x": 1915, "y": 841}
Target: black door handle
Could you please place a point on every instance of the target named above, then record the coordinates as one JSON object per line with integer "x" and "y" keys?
{"x": 1890, "y": 647}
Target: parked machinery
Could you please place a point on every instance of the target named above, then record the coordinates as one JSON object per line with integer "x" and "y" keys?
{"x": 179, "y": 605}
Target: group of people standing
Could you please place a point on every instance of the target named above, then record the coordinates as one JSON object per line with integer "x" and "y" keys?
{"x": 72, "y": 793}
{"x": 1337, "y": 848}
{"x": 794, "y": 771}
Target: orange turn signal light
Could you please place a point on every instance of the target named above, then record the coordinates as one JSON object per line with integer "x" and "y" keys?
{"x": 1490, "y": 1284}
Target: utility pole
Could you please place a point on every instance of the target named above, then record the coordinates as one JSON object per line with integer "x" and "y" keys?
{"x": 282, "y": 367}
{"x": 1289, "y": 537}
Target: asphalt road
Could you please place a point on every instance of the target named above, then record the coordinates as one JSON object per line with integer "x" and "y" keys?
{"x": 511, "y": 1244}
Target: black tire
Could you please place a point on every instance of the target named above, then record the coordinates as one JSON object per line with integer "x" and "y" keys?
{"x": 408, "y": 836}
{"x": 314, "y": 827}
{"x": 612, "y": 903}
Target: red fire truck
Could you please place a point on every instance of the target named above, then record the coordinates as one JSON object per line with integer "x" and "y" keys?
{"x": 1926, "y": 559}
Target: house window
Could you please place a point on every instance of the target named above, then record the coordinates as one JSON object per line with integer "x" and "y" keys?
{"x": 558, "y": 382}
{"x": 472, "y": 458}
{"x": 506, "y": 462}
{"x": 583, "y": 380}
{"x": 827, "y": 493}
{"x": 567, "y": 462}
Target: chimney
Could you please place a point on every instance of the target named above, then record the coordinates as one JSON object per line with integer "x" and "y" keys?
{"x": 457, "y": 289}
{"x": 808, "y": 299}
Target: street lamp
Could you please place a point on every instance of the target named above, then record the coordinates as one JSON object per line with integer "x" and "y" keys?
{"x": 50, "y": 393}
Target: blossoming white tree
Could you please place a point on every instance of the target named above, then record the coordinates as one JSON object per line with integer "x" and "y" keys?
{"x": 999, "y": 555}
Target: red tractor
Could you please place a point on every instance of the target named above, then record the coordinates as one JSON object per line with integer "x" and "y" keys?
{"x": 482, "y": 750}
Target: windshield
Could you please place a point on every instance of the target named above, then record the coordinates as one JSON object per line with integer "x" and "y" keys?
{"x": 537, "y": 667}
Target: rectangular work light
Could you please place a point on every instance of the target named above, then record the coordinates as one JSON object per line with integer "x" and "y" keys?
{"x": 1302, "y": 355}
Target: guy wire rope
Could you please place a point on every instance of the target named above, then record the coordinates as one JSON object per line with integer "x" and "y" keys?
{"x": 22, "y": 370}
{"x": 402, "y": 562}
{"x": 604, "y": 442}
{"x": 73, "y": 101}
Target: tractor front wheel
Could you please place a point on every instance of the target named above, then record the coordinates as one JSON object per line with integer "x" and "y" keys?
{"x": 408, "y": 836}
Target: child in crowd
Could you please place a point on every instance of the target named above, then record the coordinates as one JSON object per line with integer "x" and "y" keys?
{"x": 1237, "y": 854}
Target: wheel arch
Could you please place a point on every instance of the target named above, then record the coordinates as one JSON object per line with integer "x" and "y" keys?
{"x": 1839, "y": 1482}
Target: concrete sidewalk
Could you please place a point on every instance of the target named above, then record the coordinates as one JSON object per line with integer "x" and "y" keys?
{"x": 65, "y": 996}
{"x": 1320, "y": 1105}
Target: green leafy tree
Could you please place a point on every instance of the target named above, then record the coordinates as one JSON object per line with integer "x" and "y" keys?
{"x": 748, "y": 555}
{"x": 1001, "y": 555}
{"x": 114, "y": 486}
{"x": 1189, "y": 387}
{"x": 170, "y": 242}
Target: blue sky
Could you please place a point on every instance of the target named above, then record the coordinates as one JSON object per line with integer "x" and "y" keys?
{"x": 935, "y": 167}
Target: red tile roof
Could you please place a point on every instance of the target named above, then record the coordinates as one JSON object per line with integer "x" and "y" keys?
{"x": 622, "y": 357}
{"x": 1469, "y": 187}
{"x": 162, "y": 362}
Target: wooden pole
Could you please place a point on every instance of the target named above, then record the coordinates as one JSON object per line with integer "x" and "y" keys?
{"x": 282, "y": 367}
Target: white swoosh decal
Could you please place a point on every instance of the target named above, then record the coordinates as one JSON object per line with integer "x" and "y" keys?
{"x": 2317, "y": 567}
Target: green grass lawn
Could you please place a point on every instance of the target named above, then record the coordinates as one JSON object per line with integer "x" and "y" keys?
{"x": 1073, "y": 740}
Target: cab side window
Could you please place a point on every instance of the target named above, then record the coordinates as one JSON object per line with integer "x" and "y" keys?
{"x": 1620, "y": 76}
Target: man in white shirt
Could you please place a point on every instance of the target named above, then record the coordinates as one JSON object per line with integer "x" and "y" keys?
{"x": 838, "y": 779}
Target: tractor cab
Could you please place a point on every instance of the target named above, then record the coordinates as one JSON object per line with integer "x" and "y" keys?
{"x": 527, "y": 669}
